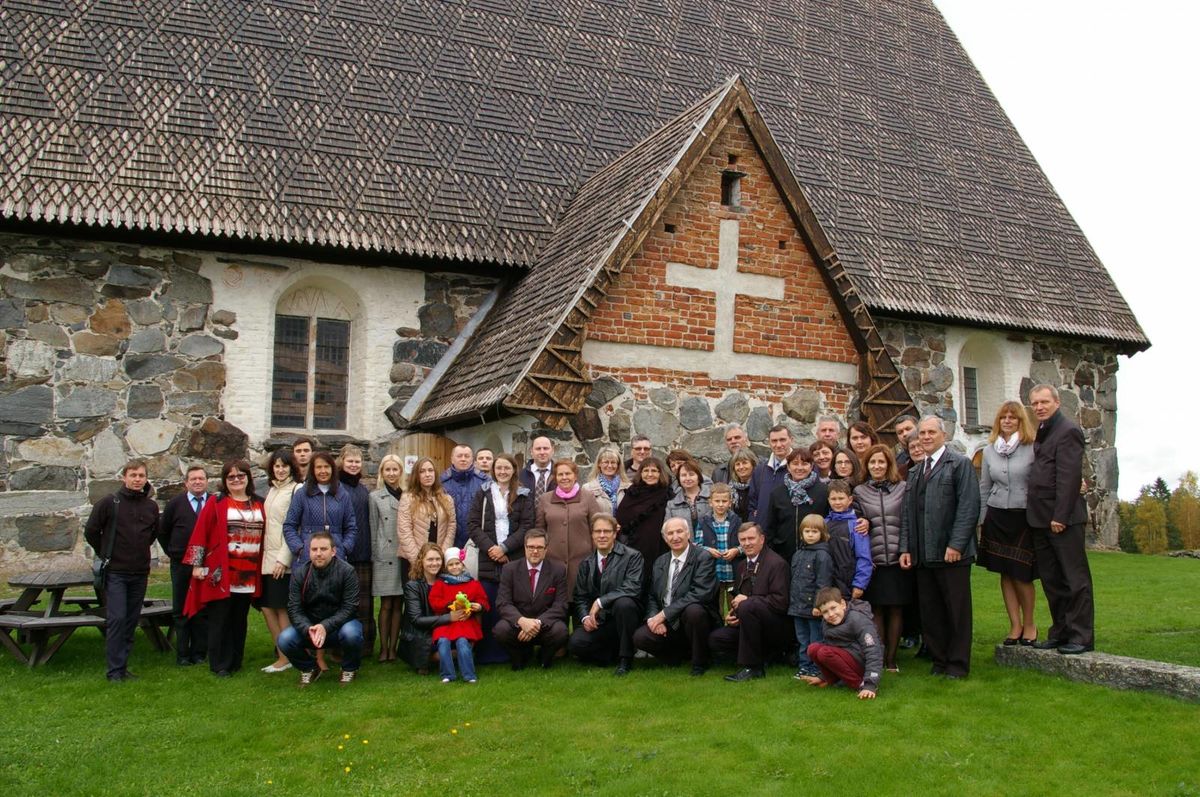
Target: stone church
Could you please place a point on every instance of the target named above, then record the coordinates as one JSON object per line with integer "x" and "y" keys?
{"x": 226, "y": 223}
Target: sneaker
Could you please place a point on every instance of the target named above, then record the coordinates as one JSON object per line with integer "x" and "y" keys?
{"x": 348, "y": 677}
{"x": 472, "y": 680}
{"x": 447, "y": 680}
{"x": 310, "y": 677}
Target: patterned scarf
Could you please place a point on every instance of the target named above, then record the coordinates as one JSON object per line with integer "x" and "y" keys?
{"x": 610, "y": 485}
{"x": 798, "y": 490}
{"x": 1005, "y": 447}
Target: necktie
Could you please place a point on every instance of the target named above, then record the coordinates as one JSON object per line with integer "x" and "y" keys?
{"x": 928, "y": 467}
{"x": 603, "y": 563}
{"x": 541, "y": 481}
{"x": 532, "y": 580}
{"x": 198, "y": 503}
{"x": 671, "y": 581}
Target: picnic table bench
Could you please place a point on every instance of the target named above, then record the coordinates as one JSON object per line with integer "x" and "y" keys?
{"x": 45, "y": 630}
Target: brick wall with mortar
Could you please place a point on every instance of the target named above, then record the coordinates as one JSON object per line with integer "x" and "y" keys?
{"x": 642, "y": 308}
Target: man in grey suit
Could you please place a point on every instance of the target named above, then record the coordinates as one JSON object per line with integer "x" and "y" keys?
{"x": 532, "y": 603}
{"x": 682, "y": 607}
{"x": 1056, "y": 514}
{"x": 607, "y": 600}
{"x": 937, "y": 536}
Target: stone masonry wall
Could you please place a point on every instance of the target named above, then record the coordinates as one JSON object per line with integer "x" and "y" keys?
{"x": 1084, "y": 373}
{"x": 107, "y": 352}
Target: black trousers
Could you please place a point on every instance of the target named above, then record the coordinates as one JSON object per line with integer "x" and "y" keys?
{"x": 227, "y": 632}
{"x": 689, "y": 640}
{"x": 191, "y": 634}
{"x": 552, "y": 637}
{"x": 1067, "y": 581}
{"x": 123, "y": 596}
{"x": 760, "y": 634}
{"x": 366, "y": 604}
{"x": 613, "y": 638}
{"x": 944, "y": 595}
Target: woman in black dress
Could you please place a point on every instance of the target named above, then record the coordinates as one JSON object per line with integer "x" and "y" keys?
{"x": 802, "y": 493}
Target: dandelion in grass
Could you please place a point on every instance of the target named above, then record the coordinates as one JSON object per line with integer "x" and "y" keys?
{"x": 454, "y": 731}
{"x": 347, "y": 770}
{"x": 341, "y": 747}
{"x": 365, "y": 741}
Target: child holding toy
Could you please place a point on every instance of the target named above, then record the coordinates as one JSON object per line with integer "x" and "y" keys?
{"x": 463, "y": 598}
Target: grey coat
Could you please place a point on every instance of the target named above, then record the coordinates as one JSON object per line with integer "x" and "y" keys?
{"x": 677, "y": 505}
{"x": 1004, "y": 480}
{"x": 884, "y": 511}
{"x": 387, "y": 568}
{"x": 949, "y": 514}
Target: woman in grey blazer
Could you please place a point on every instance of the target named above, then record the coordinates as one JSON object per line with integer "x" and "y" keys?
{"x": 1006, "y": 544}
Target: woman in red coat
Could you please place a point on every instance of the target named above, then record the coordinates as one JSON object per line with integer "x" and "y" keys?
{"x": 225, "y": 553}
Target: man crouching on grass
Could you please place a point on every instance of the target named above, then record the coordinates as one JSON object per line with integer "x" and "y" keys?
{"x": 322, "y": 605}
{"x": 850, "y": 652}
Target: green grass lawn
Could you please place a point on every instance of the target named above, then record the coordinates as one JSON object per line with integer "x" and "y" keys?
{"x": 576, "y": 730}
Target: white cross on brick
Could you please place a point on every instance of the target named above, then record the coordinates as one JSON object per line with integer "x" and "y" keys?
{"x": 726, "y": 282}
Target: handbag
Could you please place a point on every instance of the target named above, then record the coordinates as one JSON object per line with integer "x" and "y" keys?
{"x": 100, "y": 563}
{"x": 471, "y": 558}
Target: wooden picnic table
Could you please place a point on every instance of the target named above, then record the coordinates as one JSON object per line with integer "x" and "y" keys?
{"x": 45, "y": 630}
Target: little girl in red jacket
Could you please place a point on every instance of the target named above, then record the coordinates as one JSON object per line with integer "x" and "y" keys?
{"x": 464, "y": 627}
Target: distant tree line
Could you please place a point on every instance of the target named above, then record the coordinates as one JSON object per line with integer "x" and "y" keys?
{"x": 1162, "y": 519}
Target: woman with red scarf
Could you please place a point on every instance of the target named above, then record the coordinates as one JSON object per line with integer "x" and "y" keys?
{"x": 225, "y": 553}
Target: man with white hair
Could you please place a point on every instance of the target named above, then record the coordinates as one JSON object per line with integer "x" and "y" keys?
{"x": 682, "y": 602}
{"x": 937, "y": 536}
{"x": 735, "y": 441}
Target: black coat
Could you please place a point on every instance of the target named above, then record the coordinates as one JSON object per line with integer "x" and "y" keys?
{"x": 765, "y": 583}
{"x": 137, "y": 526}
{"x": 622, "y": 578}
{"x": 325, "y": 595}
{"x": 696, "y": 583}
{"x": 1055, "y": 477}
{"x": 481, "y": 526}
{"x": 641, "y": 515}
{"x": 780, "y": 520}
{"x": 176, "y": 523}
{"x": 416, "y": 632}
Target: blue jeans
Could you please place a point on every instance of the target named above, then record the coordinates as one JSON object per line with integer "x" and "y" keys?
{"x": 296, "y": 647}
{"x": 808, "y": 631}
{"x": 466, "y": 658}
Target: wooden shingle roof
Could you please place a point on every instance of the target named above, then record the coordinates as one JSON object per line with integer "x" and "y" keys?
{"x": 462, "y": 130}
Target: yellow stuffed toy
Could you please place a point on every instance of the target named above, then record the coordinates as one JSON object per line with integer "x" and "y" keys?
{"x": 462, "y": 603}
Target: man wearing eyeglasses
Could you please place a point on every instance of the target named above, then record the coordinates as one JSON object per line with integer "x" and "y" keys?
{"x": 757, "y": 626}
{"x": 640, "y": 450}
{"x": 532, "y": 603}
{"x": 174, "y": 530}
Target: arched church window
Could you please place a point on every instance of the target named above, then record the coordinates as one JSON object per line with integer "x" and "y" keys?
{"x": 311, "y": 372}
{"x": 981, "y": 379}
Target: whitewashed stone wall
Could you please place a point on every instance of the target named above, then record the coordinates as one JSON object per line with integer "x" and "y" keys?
{"x": 376, "y": 300}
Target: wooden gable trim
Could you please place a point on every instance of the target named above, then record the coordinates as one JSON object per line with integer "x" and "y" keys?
{"x": 884, "y": 398}
{"x": 555, "y": 388}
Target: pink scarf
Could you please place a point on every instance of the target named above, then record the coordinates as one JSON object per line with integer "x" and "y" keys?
{"x": 567, "y": 496}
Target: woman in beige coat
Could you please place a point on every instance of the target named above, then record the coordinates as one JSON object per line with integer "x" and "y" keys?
{"x": 425, "y": 513}
{"x": 566, "y": 514}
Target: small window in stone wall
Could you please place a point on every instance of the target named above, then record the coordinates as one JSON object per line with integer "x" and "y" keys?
{"x": 970, "y": 385}
{"x": 312, "y": 373}
{"x": 731, "y": 188}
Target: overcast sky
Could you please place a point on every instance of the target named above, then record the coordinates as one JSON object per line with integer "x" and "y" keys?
{"x": 1105, "y": 95}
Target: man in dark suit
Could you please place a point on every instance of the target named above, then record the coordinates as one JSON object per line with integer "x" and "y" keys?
{"x": 1056, "y": 515}
{"x": 174, "y": 530}
{"x": 757, "y": 625}
{"x": 607, "y": 600}
{"x": 682, "y": 608}
{"x": 937, "y": 536}
{"x": 536, "y": 476}
{"x": 770, "y": 472}
{"x": 532, "y": 602}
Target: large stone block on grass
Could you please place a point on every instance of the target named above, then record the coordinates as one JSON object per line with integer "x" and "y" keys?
{"x": 1117, "y": 672}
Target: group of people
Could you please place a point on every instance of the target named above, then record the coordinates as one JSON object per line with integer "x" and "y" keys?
{"x": 814, "y": 555}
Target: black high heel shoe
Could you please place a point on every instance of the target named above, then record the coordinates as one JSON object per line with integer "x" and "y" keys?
{"x": 1027, "y": 643}
{"x": 1011, "y": 641}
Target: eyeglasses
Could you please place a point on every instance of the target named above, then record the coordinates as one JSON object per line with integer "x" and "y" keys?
{"x": 235, "y": 477}
{"x": 641, "y": 448}
{"x": 535, "y": 548}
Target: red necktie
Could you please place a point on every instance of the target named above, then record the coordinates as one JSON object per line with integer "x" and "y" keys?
{"x": 603, "y": 562}
{"x": 532, "y": 580}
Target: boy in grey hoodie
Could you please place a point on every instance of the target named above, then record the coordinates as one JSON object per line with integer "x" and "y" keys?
{"x": 851, "y": 651}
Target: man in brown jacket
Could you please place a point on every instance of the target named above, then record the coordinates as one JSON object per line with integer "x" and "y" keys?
{"x": 757, "y": 626}
{"x": 532, "y": 602}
